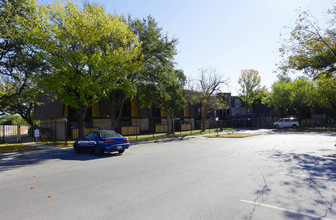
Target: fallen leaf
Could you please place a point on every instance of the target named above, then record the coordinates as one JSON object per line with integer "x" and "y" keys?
{"x": 33, "y": 187}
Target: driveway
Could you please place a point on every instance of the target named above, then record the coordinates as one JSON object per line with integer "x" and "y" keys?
{"x": 271, "y": 176}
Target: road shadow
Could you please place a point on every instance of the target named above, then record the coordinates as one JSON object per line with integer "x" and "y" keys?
{"x": 19, "y": 159}
{"x": 318, "y": 172}
{"x": 323, "y": 166}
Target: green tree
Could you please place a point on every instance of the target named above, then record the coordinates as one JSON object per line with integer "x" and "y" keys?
{"x": 206, "y": 90}
{"x": 19, "y": 63}
{"x": 24, "y": 107}
{"x": 326, "y": 87}
{"x": 280, "y": 98}
{"x": 250, "y": 86}
{"x": 159, "y": 83}
{"x": 12, "y": 120}
{"x": 310, "y": 47}
{"x": 10, "y": 12}
{"x": 304, "y": 96}
{"x": 90, "y": 51}
{"x": 165, "y": 92}
{"x": 298, "y": 95}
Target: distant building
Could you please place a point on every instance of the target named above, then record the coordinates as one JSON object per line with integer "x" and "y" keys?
{"x": 58, "y": 120}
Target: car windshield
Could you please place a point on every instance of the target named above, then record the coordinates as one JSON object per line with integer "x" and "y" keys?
{"x": 88, "y": 136}
{"x": 108, "y": 134}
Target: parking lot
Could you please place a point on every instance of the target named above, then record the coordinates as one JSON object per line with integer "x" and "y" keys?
{"x": 275, "y": 175}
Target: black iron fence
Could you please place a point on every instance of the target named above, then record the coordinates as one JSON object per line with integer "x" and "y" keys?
{"x": 60, "y": 129}
{"x": 14, "y": 133}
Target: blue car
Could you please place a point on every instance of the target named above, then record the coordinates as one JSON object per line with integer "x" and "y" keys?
{"x": 102, "y": 141}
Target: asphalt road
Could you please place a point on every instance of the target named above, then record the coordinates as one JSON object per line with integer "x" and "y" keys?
{"x": 271, "y": 176}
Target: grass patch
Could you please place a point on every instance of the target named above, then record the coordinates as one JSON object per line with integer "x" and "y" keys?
{"x": 59, "y": 143}
{"x": 164, "y": 135}
{"x": 147, "y": 137}
{"x": 231, "y": 135}
{"x": 10, "y": 148}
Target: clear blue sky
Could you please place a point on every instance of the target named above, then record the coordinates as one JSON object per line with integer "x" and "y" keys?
{"x": 230, "y": 35}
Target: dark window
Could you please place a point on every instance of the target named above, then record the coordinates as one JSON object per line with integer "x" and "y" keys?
{"x": 89, "y": 136}
{"x": 108, "y": 134}
{"x": 96, "y": 136}
{"x": 237, "y": 103}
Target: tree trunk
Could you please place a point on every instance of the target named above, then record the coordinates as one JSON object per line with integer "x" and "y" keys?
{"x": 204, "y": 114}
{"x": 152, "y": 125}
{"x": 112, "y": 120}
{"x": 169, "y": 123}
{"x": 113, "y": 111}
{"x": 81, "y": 120}
{"x": 27, "y": 114}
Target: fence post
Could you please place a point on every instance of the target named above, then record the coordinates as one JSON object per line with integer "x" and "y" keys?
{"x": 153, "y": 126}
{"x": 136, "y": 129}
{"x": 191, "y": 127}
{"x": 18, "y": 133}
{"x": 209, "y": 124}
{"x": 65, "y": 131}
{"x": 55, "y": 132}
{"x": 3, "y": 133}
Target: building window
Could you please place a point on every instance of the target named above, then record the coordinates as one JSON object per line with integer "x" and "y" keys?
{"x": 237, "y": 103}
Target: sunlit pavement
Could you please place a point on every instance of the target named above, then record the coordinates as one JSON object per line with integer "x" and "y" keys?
{"x": 270, "y": 176}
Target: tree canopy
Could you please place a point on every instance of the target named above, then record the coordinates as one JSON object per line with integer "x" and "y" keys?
{"x": 292, "y": 96}
{"x": 310, "y": 47}
{"x": 326, "y": 88}
{"x": 19, "y": 62}
{"x": 250, "y": 86}
{"x": 89, "y": 50}
{"x": 160, "y": 84}
{"x": 206, "y": 90}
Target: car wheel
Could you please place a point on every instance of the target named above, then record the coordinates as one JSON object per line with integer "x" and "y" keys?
{"x": 121, "y": 151}
{"x": 76, "y": 148}
{"x": 294, "y": 126}
{"x": 98, "y": 150}
{"x": 276, "y": 126}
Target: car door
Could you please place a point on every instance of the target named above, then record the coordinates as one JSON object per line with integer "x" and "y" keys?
{"x": 93, "y": 141}
{"x": 287, "y": 122}
{"x": 84, "y": 143}
{"x": 281, "y": 123}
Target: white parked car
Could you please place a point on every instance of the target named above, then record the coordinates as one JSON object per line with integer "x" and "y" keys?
{"x": 286, "y": 123}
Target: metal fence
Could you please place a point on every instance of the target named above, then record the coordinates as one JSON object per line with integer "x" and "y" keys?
{"x": 153, "y": 126}
{"x": 60, "y": 129}
{"x": 14, "y": 133}
{"x": 326, "y": 122}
